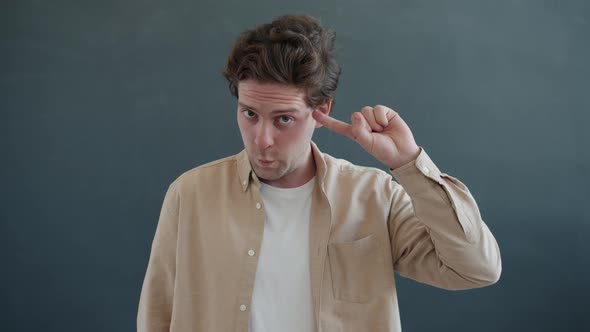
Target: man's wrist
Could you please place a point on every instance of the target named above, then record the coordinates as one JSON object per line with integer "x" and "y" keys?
{"x": 406, "y": 161}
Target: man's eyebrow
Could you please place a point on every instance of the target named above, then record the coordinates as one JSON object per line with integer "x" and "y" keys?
{"x": 285, "y": 110}
{"x": 245, "y": 106}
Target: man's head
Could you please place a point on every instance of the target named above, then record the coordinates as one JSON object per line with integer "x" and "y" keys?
{"x": 287, "y": 66}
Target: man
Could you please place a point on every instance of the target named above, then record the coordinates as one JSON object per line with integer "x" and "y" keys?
{"x": 283, "y": 237}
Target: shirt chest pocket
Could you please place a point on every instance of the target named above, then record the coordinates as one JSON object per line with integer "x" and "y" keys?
{"x": 357, "y": 269}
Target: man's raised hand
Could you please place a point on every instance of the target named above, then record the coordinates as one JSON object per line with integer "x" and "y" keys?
{"x": 380, "y": 131}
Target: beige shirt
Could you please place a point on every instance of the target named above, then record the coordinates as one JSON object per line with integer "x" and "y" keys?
{"x": 364, "y": 226}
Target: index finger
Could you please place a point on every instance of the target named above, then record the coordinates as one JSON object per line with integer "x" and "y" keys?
{"x": 332, "y": 124}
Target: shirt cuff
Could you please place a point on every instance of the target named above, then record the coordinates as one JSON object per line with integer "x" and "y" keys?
{"x": 411, "y": 175}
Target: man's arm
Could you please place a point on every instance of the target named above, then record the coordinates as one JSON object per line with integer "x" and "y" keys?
{"x": 436, "y": 231}
{"x": 155, "y": 304}
{"x": 435, "y": 227}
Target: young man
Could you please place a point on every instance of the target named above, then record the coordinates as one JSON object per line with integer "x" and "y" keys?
{"x": 283, "y": 237}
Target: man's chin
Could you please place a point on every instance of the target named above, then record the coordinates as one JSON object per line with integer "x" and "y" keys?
{"x": 268, "y": 174}
{"x": 265, "y": 175}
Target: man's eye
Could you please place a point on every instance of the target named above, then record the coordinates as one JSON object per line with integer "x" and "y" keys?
{"x": 249, "y": 114}
{"x": 285, "y": 119}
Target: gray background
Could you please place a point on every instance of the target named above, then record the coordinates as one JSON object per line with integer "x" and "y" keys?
{"x": 104, "y": 103}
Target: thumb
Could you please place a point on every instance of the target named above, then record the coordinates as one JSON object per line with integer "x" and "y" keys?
{"x": 361, "y": 131}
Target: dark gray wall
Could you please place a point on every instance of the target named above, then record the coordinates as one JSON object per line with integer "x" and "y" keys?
{"x": 104, "y": 103}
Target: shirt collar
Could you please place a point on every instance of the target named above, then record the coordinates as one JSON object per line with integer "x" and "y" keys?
{"x": 247, "y": 176}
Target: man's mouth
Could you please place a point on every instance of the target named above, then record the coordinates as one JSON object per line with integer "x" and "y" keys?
{"x": 264, "y": 162}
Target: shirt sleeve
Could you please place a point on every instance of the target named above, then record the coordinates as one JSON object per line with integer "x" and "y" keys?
{"x": 436, "y": 231}
{"x": 155, "y": 304}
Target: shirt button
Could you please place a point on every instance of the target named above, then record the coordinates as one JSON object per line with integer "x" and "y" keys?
{"x": 251, "y": 252}
{"x": 258, "y": 206}
{"x": 243, "y": 307}
{"x": 426, "y": 170}
{"x": 245, "y": 182}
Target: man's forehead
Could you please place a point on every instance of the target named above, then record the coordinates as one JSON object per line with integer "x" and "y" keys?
{"x": 253, "y": 92}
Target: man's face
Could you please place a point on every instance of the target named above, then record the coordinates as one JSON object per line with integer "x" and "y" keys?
{"x": 276, "y": 127}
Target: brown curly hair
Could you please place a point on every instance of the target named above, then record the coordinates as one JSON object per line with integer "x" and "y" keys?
{"x": 292, "y": 49}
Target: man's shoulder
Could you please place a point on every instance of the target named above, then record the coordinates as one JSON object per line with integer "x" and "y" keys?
{"x": 342, "y": 174}
{"x": 211, "y": 171}
{"x": 343, "y": 167}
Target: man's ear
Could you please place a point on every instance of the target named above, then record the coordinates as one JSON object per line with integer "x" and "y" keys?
{"x": 324, "y": 108}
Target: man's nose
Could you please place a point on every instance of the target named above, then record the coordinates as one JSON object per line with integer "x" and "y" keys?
{"x": 264, "y": 136}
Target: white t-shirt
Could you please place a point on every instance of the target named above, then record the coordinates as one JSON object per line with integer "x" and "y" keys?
{"x": 282, "y": 299}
